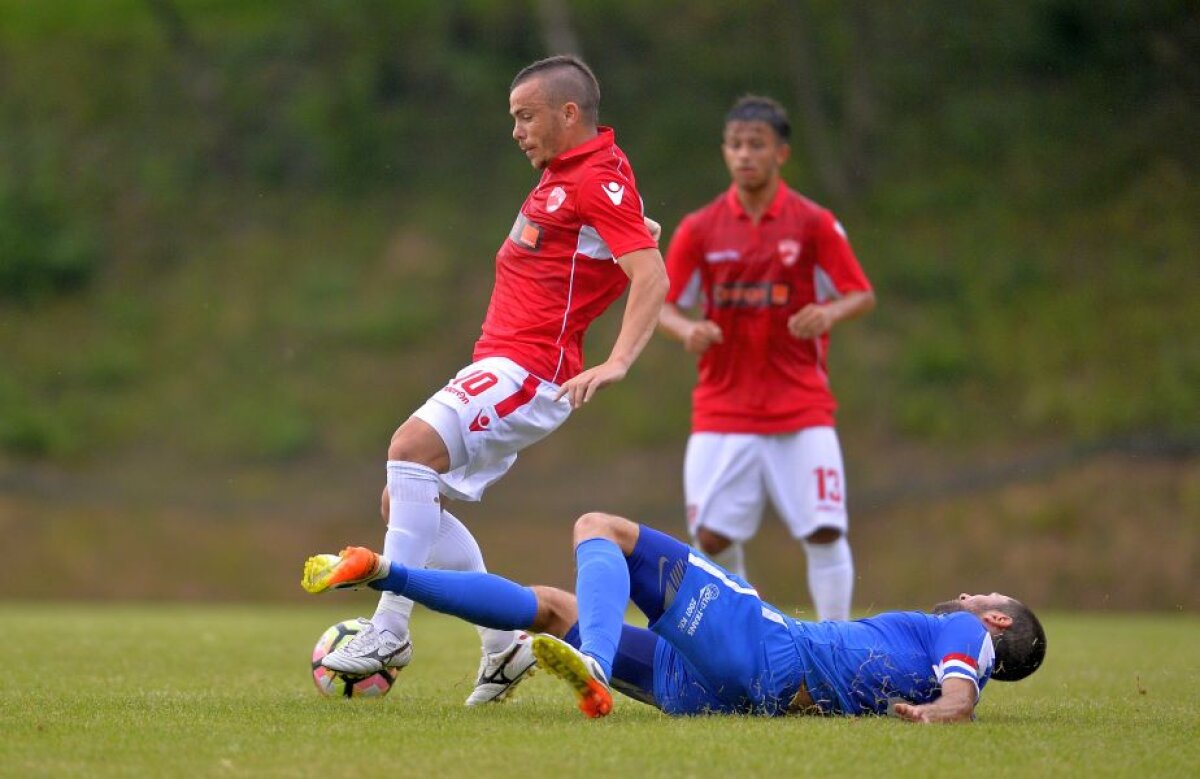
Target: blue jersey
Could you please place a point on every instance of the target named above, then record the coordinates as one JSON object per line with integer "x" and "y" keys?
{"x": 725, "y": 650}
{"x": 860, "y": 667}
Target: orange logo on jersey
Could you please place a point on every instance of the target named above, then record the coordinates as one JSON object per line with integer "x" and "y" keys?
{"x": 526, "y": 233}
{"x": 758, "y": 294}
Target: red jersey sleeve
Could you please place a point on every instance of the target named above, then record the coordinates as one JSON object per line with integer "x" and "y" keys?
{"x": 836, "y": 258}
{"x": 610, "y": 203}
{"x": 684, "y": 255}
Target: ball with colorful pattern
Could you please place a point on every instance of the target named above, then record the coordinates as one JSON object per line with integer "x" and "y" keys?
{"x": 335, "y": 684}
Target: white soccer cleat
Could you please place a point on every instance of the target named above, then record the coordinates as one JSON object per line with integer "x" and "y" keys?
{"x": 501, "y": 672}
{"x": 369, "y": 652}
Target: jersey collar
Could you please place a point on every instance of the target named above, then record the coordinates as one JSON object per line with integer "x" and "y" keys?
{"x": 773, "y": 209}
{"x": 605, "y": 137}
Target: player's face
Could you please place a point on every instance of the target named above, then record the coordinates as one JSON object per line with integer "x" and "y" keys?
{"x": 538, "y": 128}
{"x": 976, "y": 604}
{"x": 753, "y": 153}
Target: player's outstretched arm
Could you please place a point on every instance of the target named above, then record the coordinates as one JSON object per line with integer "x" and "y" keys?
{"x": 647, "y": 290}
{"x": 956, "y": 704}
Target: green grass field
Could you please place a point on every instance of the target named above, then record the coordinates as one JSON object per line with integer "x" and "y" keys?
{"x": 187, "y": 690}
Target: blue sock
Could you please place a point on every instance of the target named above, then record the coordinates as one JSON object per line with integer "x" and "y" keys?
{"x": 482, "y": 599}
{"x": 602, "y": 587}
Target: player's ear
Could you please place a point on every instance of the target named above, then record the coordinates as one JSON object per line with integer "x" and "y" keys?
{"x": 571, "y": 113}
{"x": 997, "y": 620}
{"x": 783, "y": 152}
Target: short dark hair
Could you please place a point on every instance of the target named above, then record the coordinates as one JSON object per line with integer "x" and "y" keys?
{"x": 1021, "y": 649}
{"x": 756, "y": 108}
{"x": 569, "y": 80}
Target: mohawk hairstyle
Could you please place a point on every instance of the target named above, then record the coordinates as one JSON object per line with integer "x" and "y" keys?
{"x": 568, "y": 80}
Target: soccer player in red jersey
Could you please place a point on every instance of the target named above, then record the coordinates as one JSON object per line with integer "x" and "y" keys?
{"x": 774, "y": 273}
{"x": 579, "y": 240}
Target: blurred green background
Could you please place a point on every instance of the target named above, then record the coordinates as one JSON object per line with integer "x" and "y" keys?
{"x": 241, "y": 241}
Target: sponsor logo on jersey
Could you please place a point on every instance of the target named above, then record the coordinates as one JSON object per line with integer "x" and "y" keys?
{"x": 726, "y": 255}
{"x": 462, "y": 397}
{"x": 555, "y": 199}
{"x": 526, "y": 233}
{"x": 614, "y": 191}
{"x": 694, "y": 613}
{"x": 755, "y": 294}
{"x": 789, "y": 251}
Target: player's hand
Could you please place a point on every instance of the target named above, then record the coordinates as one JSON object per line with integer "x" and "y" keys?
{"x": 910, "y": 713}
{"x": 580, "y": 389}
{"x": 813, "y": 320}
{"x": 956, "y": 704}
{"x": 701, "y": 335}
{"x": 654, "y": 227}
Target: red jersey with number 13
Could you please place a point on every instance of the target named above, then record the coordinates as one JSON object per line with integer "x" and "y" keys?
{"x": 556, "y": 272}
{"x": 753, "y": 278}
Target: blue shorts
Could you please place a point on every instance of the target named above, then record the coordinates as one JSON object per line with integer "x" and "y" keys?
{"x": 720, "y": 648}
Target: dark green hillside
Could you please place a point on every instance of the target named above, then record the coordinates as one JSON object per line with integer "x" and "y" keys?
{"x": 253, "y": 235}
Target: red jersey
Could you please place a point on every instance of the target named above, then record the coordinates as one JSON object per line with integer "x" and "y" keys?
{"x": 753, "y": 278}
{"x": 556, "y": 272}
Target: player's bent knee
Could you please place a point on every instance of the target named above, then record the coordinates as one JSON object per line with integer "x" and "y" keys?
{"x": 711, "y": 543}
{"x": 416, "y": 441}
{"x": 593, "y": 524}
{"x": 596, "y": 524}
{"x": 823, "y": 535}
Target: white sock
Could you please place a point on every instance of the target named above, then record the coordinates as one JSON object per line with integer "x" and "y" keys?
{"x": 830, "y": 578}
{"x": 414, "y": 514}
{"x": 457, "y": 550}
{"x": 733, "y": 559}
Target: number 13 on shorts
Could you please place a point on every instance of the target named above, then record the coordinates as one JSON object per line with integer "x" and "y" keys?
{"x": 829, "y": 485}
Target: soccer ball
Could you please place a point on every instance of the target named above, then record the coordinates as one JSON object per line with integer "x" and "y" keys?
{"x": 339, "y": 685}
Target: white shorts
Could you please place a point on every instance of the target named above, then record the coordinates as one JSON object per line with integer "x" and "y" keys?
{"x": 727, "y": 478}
{"x": 489, "y": 412}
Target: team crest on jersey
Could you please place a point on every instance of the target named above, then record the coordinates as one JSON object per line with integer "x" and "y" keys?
{"x": 555, "y": 199}
{"x": 526, "y": 233}
{"x": 789, "y": 251}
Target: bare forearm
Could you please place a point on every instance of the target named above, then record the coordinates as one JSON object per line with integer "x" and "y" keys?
{"x": 816, "y": 319}
{"x": 646, "y": 293}
{"x": 673, "y": 322}
{"x": 956, "y": 704}
{"x": 852, "y": 305}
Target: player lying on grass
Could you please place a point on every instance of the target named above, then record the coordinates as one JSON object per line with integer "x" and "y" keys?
{"x": 713, "y": 646}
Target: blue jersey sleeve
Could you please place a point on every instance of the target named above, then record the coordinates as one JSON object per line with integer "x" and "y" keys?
{"x": 963, "y": 648}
